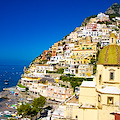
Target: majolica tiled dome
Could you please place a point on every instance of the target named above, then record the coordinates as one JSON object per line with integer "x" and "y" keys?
{"x": 110, "y": 55}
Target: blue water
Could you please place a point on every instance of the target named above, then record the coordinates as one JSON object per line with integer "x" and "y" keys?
{"x": 12, "y": 73}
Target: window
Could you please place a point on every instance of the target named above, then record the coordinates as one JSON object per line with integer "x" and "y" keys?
{"x": 110, "y": 100}
{"x": 76, "y": 116}
{"x": 111, "y": 76}
{"x": 112, "y": 40}
{"x": 99, "y": 98}
{"x": 99, "y": 79}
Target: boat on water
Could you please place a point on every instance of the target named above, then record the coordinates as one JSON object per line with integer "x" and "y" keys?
{"x": 6, "y": 80}
{"x": 6, "y": 83}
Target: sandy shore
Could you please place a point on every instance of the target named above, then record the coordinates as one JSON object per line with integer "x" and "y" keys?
{"x": 10, "y": 99}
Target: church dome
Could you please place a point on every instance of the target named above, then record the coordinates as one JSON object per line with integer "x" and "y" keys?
{"x": 110, "y": 55}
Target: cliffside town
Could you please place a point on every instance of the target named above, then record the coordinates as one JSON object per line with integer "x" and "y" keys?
{"x": 73, "y": 61}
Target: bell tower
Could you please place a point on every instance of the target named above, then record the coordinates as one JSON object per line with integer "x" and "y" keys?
{"x": 112, "y": 38}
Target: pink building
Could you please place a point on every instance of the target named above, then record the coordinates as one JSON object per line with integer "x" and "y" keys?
{"x": 91, "y": 26}
{"x": 59, "y": 93}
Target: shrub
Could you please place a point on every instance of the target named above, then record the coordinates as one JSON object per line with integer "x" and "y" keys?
{"x": 21, "y": 86}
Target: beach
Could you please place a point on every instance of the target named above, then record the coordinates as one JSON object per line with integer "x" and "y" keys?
{"x": 9, "y": 100}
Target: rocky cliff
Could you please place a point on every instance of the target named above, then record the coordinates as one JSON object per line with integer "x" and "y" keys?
{"x": 114, "y": 9}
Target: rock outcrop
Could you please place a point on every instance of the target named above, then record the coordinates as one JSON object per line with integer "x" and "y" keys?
{"x": 114, "y": 9}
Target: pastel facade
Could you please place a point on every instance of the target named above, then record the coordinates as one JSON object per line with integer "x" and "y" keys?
{"x": 72, "y": 35}
{"x": 53, "y": 53}
{"x": 44, "y": 55}
{"x": 37, "y": 89}
{"x": 55, "y": 59}
{"x": 91, "y": 26}
{"x": 27, "y": 81}
{"x": 85, "y": 71}
{"x": 41, "y": 68}
{"x": 83, "y": 56}
{"x": 59, "y": 93}
{"x": 49, "y": 91}
{"x": 84, "y": 40}
{"x": 80, "y": 70}
{"x": 105, "y": 40}
{"x": 59, "y": 50}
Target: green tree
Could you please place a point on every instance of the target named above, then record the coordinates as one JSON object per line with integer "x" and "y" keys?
{"x": 92, "y": 60}
{"x": 94, "y": 68}
{"x": 31, "y": 110}
{"x": 38, "y": 103}
{"x": 24, "y": 110}
{"x": 60, "y": 71}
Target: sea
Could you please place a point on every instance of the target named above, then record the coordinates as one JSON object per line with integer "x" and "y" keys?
{"x": 10, "y": 75}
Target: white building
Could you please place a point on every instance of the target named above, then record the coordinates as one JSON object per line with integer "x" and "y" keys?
{"x": 41, "y": 68}
{"x": 103, "y": 17}
{"x": 55, "y": 59}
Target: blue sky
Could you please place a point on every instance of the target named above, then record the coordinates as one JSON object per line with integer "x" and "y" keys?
{"x": 27, "y": 27}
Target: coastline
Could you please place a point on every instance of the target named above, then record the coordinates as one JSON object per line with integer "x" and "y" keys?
{"x": 9, "y": 101}
{"x": 10, "y": 74}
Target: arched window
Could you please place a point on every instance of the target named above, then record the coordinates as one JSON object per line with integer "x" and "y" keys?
{"x": 110, "y": 100}
{"x": 111, "y": 75}
{"x": 112, "y": 40}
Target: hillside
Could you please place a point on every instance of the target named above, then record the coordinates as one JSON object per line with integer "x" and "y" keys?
{"x": 114, "y": 10}
{"x": 86, "y": 20}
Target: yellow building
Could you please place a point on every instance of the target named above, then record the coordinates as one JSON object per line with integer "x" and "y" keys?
{"x": 84, "y": 40}
{"x": 83, "y": 53}
{"x": 99, "y": 98}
